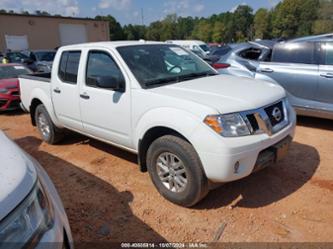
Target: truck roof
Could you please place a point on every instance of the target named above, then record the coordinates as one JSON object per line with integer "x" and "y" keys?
{"x": 113, "y": 44}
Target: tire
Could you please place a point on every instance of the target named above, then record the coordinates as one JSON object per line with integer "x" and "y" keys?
{"x": 48, "y": 131}
{"x": 186, "y": 163}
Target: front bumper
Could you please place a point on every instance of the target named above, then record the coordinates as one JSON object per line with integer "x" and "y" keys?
{"x": 10, "y": 101}
{"x": 219, "y": 155}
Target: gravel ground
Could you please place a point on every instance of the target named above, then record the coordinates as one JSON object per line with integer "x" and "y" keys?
{"x": 108, "y": 199}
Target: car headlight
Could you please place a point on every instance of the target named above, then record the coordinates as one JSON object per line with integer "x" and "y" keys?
{"x": 229, "y": 125}
{"x": 3, "y": 90}
{"x": 29, "y": 220}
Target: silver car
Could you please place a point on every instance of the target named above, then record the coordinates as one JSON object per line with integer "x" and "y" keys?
{"x": 304, "y": 67}
{"x": 31, "y": 212}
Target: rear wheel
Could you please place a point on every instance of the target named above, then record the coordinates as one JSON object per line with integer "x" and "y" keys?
{"x": 49, "y": 132}
{"x": 176, "y": 170}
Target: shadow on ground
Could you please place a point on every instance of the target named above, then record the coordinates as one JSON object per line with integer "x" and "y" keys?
{"x": 269, "y": 185}
{"x": 317, "y": 123}
{"x": 260, "y": 189}
{"x": 97, "y": 211}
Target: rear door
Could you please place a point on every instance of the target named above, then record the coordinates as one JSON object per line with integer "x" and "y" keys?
{"x": 294, "y": 67}
{"x": 65, "y": 91}
{"x": 105, "y": 112}
{"x": 325, "y": 87}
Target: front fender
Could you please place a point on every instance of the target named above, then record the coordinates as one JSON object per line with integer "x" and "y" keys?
{"x": 183, "y": 122}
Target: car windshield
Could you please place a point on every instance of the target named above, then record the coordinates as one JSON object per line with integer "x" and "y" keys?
{"x": 45, "y": 55}
{"x": 163, "y": 64}
{"x": 204, "y": 47}
{"x": 16, "y": 57}
{"x": 10, "y": 72}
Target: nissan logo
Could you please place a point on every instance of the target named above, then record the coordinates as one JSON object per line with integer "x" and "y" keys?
{"x": 277, "y": 114}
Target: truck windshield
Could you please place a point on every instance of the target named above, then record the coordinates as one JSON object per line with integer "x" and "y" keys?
{"x": 204, "y": 47}
{"x": 154, "y": 65}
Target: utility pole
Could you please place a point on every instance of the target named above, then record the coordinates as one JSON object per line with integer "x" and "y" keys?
{"x": 142, "y": 18}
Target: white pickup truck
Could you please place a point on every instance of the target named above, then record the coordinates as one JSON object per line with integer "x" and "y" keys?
{"x": 189, "y": 126}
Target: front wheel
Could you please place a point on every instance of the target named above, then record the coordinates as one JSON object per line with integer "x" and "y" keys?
{"x": 49, "y": 132}
{"x": 176, "y": 170}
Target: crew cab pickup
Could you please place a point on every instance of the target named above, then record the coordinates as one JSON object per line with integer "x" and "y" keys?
{"x": 189, "y": 126}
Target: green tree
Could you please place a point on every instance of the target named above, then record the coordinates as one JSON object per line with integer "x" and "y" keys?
{"x": 325, "y": 22}
{"x": 116, "y": 31}
{"x": 242, "y": 23}
{"x": 294, "y": 18}
{"x": 134, "y": 32}
{"x": 154, "y": 31}
{"x": 218, "y": 31}
{"x": 261, "y": 23}
{"x": 203, "y": 30}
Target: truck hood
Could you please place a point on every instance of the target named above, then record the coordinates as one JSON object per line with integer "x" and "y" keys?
{"x": 226, "y": 94}
{"x": 17, "y": 175}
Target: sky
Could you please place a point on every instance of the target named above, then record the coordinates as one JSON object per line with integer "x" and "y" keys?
{"x": 129, "y": 11}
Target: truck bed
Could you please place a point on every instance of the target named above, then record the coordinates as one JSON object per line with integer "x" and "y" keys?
{"x": 32, "y": 85}
{"x": 45, "y": 77}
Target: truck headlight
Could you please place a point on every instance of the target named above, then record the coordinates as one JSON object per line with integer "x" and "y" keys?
{"x": 229, "y": 125}
{"x": 28, "y": 221}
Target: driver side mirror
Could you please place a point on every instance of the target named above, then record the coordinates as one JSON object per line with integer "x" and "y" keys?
{"x": 109, "y": 82}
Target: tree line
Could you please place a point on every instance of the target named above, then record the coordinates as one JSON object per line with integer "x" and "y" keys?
{"x": 288, "y": 19}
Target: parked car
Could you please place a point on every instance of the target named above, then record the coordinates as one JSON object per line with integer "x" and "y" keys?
{"x": 20, "y": 58}
{"x": 198, "y": 47}
{"x": 187, "y": 124}
{"x": 43, "y": 59}
{"x": 31, "y": 212}
{"x": 304, "y": 67}
{"x": 217, "y": 52}
{"x": 243, "y": 58}
{"x": 9, "y": 85}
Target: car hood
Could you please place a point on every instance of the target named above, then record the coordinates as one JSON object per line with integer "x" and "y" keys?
{"x": 17, "y": 175}
{"x": 9, "y": 83}
{"x": 226, "y": 94}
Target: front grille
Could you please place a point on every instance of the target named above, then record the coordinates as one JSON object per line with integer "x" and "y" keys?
{"x": 3, "y": 103}
{"x": 14, "y": 104}
{"x": 269, "y": 119}
{"x": 253, "y": 122}
{"x": 15, "y": 93}
{"x": 275, "y": 113}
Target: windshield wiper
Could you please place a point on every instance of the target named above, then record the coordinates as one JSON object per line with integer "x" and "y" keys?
{"x": 162, "y": 81}
{"x": 196, "y": 75}
{"x": 179, "y": 78}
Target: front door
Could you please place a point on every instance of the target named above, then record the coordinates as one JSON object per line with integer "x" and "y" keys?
{"x": 325, "y": 87}
{"x": 105, "y": 112}
{"x": 294, "y": 67}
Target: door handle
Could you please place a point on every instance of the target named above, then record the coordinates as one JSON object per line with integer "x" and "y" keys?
{"x": 84, "y": 96}
{"x": 327, "y": 75}
{"x": 266, "y": 70}
{"x": 57, "y": 90}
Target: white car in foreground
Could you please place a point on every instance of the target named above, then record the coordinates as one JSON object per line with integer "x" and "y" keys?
{"x": 31, "y": 212}
{"x": 188, "y": 125}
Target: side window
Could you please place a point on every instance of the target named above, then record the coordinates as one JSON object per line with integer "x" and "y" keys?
{"x": 294, "y": 53}
{"x": 328, "y": 53}
{"x": 101, "y": 64}
{"x": 69, "y": 66}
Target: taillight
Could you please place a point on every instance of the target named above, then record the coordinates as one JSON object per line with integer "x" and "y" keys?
{"x": 220, "y": 65}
